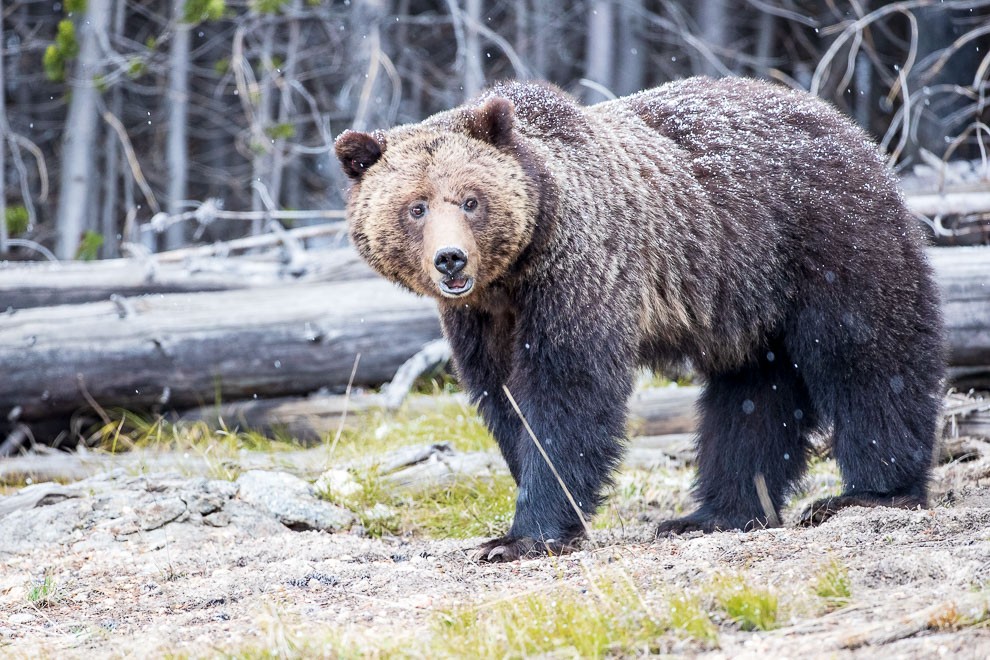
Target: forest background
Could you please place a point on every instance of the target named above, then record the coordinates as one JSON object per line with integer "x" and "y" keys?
{"x": 142, "y": 122}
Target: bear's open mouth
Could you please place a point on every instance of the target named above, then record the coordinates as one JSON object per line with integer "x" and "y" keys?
{"x": 456, "y": 286}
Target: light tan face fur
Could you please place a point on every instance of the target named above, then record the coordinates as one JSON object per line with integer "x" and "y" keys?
{"x": 432, "y": 191}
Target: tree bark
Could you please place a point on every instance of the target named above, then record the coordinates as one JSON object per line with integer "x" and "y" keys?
{"x": 182, "y": 350}
{"x": 39, "y": 284}
{"x": 177, "y": 148}
{"x": 633, "y": 52}
{"x": 3, "y": 148}
{"x": 474, "y": 76}
{"x": 79, "y": 135}
{"x": 600, "y": 49}
{"x": 713, "y": 19}
{"x": 963, "y": 277}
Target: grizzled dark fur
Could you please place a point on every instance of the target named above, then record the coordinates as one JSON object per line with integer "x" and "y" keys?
{"x": 746, "y": 231}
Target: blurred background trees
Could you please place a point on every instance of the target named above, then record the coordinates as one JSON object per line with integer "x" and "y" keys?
{"x": 122, "y": 113}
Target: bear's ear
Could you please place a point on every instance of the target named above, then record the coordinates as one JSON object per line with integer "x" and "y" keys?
{"x": 492, "y": 121}
{"x": 358, "y": 151}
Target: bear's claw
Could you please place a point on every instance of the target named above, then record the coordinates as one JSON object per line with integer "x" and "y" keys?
{"x": 509, "y": 548}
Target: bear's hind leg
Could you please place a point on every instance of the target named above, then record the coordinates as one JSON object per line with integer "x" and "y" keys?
{"x": 875, "y": 376}
{"x": 883, "y": 442}
{"x": 752, "y": 446}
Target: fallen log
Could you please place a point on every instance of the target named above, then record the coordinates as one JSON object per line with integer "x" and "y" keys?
{"x": 955, "y": 203}
{"x": 25, "y": 285}
{"x": 183, "y": 350}
{"x": 652, "y": 412}
{"x": 963, "y": 278}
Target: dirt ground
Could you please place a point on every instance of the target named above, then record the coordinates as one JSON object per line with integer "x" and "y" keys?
{"x": 167, "y": 565}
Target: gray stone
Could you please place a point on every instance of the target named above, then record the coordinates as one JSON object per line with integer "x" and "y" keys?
{"x": 292, "y": 501}
{"x": 161, "y": 512}
{"x": 217, "y": 519}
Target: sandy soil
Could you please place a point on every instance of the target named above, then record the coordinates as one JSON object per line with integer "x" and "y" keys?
{"x": 165, "y": 565}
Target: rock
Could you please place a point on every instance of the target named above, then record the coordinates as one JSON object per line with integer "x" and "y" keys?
{"x": 339, "y": 484}
{"x": 21, "y": 617}
{"x": 217, "y": 519}
{"x": 161, "y": 512}
{"x": 205, "y": 497}
{"x": 36, "y": 495}
{"x": 292, "y": 501}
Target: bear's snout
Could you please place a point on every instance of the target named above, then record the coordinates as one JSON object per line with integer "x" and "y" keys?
{"x": 450, "y": 260}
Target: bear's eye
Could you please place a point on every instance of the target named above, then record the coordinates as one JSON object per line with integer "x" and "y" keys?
{"x": 417, "y": 210}
{"x": 470, "y": 204}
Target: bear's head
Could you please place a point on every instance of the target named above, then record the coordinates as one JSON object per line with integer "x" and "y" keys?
{"x": 443, "y": 207}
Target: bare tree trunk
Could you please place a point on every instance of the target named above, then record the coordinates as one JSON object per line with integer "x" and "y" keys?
{"x": 864, "y": 102}
{"x": 713, "y": 19}
{"x": 765, "y": 38}
{"x": 474, "y": 76}
{"x": 79, "y": 135}
{"x": 261, "y": 166}
{"x": 600, "y": 49}
{"x": 285, "y": 106}
{"x": 3, "y": 148}
{"x": 185, "y": 349}
{"x": 540, "y": 61}
{"x": 632, "y": 51}
{"x": 108, "y": 214}
{"x": 177, "y": 147}
{"x": 368, "y": 15}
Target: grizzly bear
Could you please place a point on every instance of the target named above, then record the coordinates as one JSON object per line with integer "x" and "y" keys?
{"x": 741, "y": 230}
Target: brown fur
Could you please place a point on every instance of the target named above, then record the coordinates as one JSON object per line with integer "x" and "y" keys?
{"x": 747, "y": 231}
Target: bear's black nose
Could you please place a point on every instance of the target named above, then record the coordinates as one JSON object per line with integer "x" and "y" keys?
{"x": 450, "y": 260}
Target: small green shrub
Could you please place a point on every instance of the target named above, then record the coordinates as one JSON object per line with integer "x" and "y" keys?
{"x": 60, "y": 54}
{"x": 688, "y": 617}
{"x": 832, "y": 585}
{"x": 750, "y": 607}
{"x": 17, "y": 219}
{"x": 89, "y": 246}
{"x": 267, "y": 6}
{"x": 281, "y": 131}
{"x": 44, "y": 593}
{"x": 377, "y": 431}
{"x": 606, "y": 620}
{"x": 195, "y": 12}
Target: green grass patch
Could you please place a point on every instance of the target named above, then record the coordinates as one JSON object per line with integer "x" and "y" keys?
{"x": 44, "y": 592}
{"x": 466, "y": 508}
{"x": 469, "y": 507}
{"x": 377, "y": 431}
{"x": 219, "y": 447}
{"x": 367, "y": 496}
{"x": 752, "y": 608}
{"x": 688, "y": 617}
{"x": 832, "y": 585}
{"x": 607, "y": 619}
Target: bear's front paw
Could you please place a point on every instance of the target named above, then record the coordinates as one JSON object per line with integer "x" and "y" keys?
{"x": 511, "y": 548}
{"x": 686, "y": 525}
{"x": 823, "y": 509}
{"x": 707, "y": 523}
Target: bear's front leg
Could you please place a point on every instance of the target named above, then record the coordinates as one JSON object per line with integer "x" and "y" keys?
{"x": 481, "y": 344}
{"x": 572, "y": 391}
